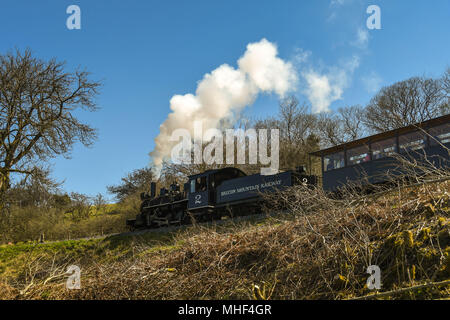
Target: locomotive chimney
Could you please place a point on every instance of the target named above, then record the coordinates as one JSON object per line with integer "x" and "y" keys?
{"x": 152, "y": 189}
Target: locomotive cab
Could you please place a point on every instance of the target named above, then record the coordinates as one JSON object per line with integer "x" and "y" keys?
{"x": 202, "y": 187}
{"x": 198, "y": 191}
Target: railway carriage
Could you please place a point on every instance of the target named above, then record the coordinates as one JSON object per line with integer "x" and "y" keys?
{"x": 372, "y": 160}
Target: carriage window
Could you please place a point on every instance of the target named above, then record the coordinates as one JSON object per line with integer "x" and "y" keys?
{"x": 383, "y": 148}
{"x": 334, "y": 161}
{"x": 358, "y": 155}
{"x": 192, "y": 186}
{"x": 412, "y": 141}
{"x": 440, "y": 133}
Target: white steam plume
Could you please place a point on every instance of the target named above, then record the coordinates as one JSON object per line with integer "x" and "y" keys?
{"x": 323, "y": 89}
{"x": 224, "y": 92}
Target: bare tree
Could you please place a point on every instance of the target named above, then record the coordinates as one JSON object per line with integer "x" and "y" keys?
{"x": 298, "y": 132}
{"x": 446, "y": 80}
{"x": 135, "y": 182}
{"x": 446, "y": 88}
{"x": 352, "y": 119}
{"x": 406, "y": 102}
{"x": 80, "y": 206}
{"x": 341, "y": 127}
{"x": 99, "y": 201}
{"x": 37, "y": 189}
{"x": 37, "y": 101}
{"x": 289, "y": 112}
{"x": 295, "y": 121}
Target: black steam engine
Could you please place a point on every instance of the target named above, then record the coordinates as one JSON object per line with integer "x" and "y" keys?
{"x": 211, "y": 195}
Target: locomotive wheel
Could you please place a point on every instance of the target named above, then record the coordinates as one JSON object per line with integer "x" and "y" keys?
{"x": 216, "y": 216}
{"x": 186, "y": 218}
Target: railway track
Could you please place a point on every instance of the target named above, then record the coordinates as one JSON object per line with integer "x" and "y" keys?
{"x": 255, "y": 218}
{"x": 168, "y": 229}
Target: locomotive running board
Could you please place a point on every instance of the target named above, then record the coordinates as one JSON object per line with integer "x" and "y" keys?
{"x": 165, "y": 222}
{"x": 165, "y": 204}
{"x": 203, "y": 207}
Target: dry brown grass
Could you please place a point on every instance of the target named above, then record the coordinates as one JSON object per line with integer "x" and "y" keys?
{"x": 317, "y": 253}
{"x": 319, "y": 249}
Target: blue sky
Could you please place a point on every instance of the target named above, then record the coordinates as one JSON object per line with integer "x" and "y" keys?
{"x": 147, "y": 51}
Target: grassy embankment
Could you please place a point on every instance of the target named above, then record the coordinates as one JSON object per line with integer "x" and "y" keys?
{"x": 320, "y": 250}
{"x": 28, "y": 224}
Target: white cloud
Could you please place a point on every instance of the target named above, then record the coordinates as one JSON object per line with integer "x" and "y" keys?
{"x": 322, "y": 89}
{"x": 334, "y": 6}
{"x": 338, "y": 2}
{"x": 372, "y": 82}
{"x": 300, "y": 56}
{"x": 320, "y": 92}
{"x": 362, "y": 38}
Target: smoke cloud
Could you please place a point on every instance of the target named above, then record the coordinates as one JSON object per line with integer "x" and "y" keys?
{"x": 222, "y": 93}
{"x": 322, "y": 89}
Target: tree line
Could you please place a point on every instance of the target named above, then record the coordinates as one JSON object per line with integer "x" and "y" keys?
{"x": 403, "y": 103}
{"x": 40, "y": 100}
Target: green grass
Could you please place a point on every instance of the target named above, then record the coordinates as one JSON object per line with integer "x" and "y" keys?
{"x": 108, "y": 248}
{"x": 14, "y": 257}
{"x": 315, "y": 255}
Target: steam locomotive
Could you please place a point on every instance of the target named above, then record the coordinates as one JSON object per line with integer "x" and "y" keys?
{"x": 212, "y": 195}
{"x": 216, "y": 193}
